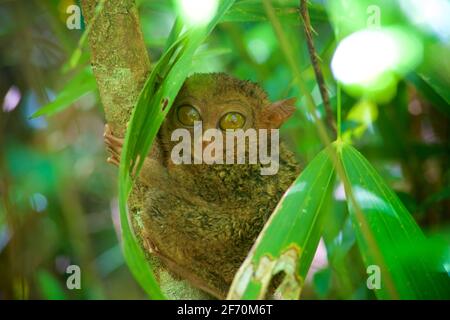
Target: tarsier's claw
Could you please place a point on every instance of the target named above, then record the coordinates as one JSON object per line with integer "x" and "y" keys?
{"x": 114, "y": 154}
{"x": 107, "y": 130}
{"x": 112, "y": 141}
{"x": 112, "y": 161}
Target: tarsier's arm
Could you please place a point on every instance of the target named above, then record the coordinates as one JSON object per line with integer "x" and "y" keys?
{"x": 153, "y": 170}
{"x": 153, "y": 167}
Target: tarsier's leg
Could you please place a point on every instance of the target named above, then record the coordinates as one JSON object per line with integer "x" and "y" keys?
{"x": 114, "y": 146}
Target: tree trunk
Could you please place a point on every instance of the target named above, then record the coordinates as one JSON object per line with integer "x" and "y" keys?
{"x": 121, "y": 64}
{"x": 119, "y": 58}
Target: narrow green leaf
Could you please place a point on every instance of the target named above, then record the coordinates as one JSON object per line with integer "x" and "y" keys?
{"x": 174, "y": 33}
{"x": 322, "y": 282}
{"x": 385, "y": 230}
{"x": 431, "y": 90}
{"x": 81, "y": 84}
{"x": 290, "y": 237}
{"x": 437, "y": 85}
{"x": 252, "y": 10}
{"x": 50, "y": 287}
{"x": 153, "y": 104}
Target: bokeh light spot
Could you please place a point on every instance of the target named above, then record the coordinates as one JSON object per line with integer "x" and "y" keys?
{"x": 371, "y": 60}
{"x": 430, "y": 15}
{"x": 197, "y": 12}
{"x": 259, "y": 50}
{"x": 38, "y": 202}
{"x": 12, "y": 99}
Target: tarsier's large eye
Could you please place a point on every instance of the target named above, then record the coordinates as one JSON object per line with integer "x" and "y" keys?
{"x": 187, "y": 115}
{"x": 232, "y": 120}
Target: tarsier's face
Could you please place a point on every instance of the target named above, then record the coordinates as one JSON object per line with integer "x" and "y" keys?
{"x": 229, "y": 114}
{"x": 221, "y": 102}
{"x": 216, "y": 110}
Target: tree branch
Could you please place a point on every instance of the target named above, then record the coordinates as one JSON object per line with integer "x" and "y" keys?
{"x": 121, "y": 64}
{"x": 119, "y": 58}
{"x": 316, "y": 65}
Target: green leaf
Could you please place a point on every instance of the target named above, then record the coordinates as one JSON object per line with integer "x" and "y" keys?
{"x": 364, "y": 113}
{"x": 385, "y": 229}
{"x": 81, "y": 84}
{"x": 322, "y": 282}
{"x": 434, "y": 92}
{"x": 290, "y": 237}
{"x": 438, "y": 86}
{"x": 436, "y": 197}
{"x": 252, "y": 10}
{"x": 50, "y": 287}
{"x": 153, "y": 104}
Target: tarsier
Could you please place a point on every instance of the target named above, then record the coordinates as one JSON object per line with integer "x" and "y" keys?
{"x": 201, "y": 220}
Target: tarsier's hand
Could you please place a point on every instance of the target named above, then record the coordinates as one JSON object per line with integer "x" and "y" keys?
{"x": 152, "y": 168}
{"x": 114, "y": 146}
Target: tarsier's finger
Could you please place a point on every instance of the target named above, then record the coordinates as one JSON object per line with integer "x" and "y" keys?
{"x": 112, "y": 140}
{"x": 113, "y": 160}
{"x": 134, "y": 169}
{"x": 107, "y": 129}
{"x": 114, "y": 146}
{"x": 115, "y": 152}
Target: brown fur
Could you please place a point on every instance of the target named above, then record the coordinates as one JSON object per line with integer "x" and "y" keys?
{"x": 202, "y": 220}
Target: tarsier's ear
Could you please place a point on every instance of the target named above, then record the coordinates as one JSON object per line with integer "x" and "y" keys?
{"x": 275, "y": 114}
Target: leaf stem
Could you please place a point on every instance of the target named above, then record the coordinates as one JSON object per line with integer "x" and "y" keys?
{"x": 296, "y": 71}
{"x": 316, "y": 65}
{"x": 338, "y": 107}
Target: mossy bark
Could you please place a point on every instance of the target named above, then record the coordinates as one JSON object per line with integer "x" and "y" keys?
{"x": 119, "y": 58}
{"x": 121, "y": 64}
